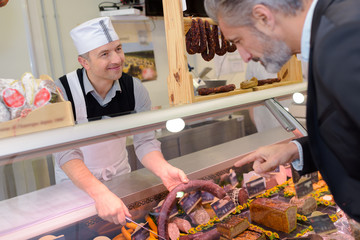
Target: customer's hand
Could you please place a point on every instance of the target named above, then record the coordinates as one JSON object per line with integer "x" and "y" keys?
{"x": 267, "y": 158}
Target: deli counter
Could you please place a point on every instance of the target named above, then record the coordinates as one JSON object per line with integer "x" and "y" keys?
{"x": 64, "y": 210}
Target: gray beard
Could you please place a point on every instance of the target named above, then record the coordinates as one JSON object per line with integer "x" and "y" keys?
{"x": 276, "y": 53}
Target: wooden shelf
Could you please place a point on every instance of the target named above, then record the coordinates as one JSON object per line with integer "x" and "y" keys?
{"x": 277, "y": 84}
{"x": 219, "y": 95}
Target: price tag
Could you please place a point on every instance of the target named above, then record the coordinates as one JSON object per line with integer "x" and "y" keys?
{"x": 233, "y": 178}
{"x": 223, "y": 207}
{"x": 141, "y": 233}
{"x": 314, "y": 177}
{"x": 322, "y": 224}
{"x": 295, "y": 174}
{"x": 190, "y": 201}
{"x": 255, "y": 187}
{"x": 156, "y": 212}
{"x": 206, "y": 197}
{"x": 303, "y": 187}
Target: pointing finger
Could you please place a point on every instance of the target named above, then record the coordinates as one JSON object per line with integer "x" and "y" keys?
{"x": 247, "y": 159}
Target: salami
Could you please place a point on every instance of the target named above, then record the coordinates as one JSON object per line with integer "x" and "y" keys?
{"x": 173, "y": 231}
{"x": 182, "y": 224}
{"x": 267, "y": 81}
{"x": 170, "y": 200}
{"x": 225, "y": 88}
{"x": 188, "y": 38}
{"x": 199, "y": 216}
{"x": 203, "y": 38}
{"x": 220, "y": 50}
{"x": 231, "y": 47}
{"x": 209, "y": 53}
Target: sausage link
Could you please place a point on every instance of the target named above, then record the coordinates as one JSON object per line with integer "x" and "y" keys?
{"x": 203, "y": 38}
{"x": 224, "y": 45}
{"x": 231, "y": 47}
{"x": 188, "y": 42}
{"x": 225, "y": 88}
{"x": 170, "y": 200}
{"x": 210, "y": 52}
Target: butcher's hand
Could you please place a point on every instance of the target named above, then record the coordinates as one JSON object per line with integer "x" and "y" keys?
{"x": 268, "y": 158}
{"x": 111, "y": 208}
{"x": 173, "y": 176}
{"x": 170, "y": 175}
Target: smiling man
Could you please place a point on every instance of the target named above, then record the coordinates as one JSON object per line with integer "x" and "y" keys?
{"x": 327, "y": 33}
{"x": 101, "y": 90}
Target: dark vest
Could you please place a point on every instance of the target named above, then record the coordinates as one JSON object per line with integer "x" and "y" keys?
{"x": 123, "y": 102}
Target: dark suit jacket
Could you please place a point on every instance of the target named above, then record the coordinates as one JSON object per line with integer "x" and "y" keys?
{"x": 333, "y": 107}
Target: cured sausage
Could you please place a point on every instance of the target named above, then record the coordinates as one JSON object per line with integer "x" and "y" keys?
{"x": 231, "y": 47}
{"x": 182, "y": 224}
{"x": 173, "y": 230}
{"x": 199, "y": 216}
{"x": 267, "y": 81}
{"x": 224, "y": 43}
{"x": 203, "y": 38}
{"x": 196, "y": 39}
{"x": 209, "y": 53}
{"x": 225, "y": 88}
{"x": 170, "y": 200}
{"x": 190, "y": 37}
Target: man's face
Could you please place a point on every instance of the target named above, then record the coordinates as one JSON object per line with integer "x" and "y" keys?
{"x": 106, "y": 62}
{"x": 255, "y": 45}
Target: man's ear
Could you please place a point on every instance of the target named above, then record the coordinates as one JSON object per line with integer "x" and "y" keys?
{"x": 264, "y": 18}
{"x": 83, "y": 62}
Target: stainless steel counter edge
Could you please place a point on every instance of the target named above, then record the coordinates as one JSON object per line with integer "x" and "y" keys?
{"x": 46, "y": 142}
{"x": 64, "y": 203}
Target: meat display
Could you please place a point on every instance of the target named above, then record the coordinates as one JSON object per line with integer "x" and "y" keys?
{"x": 170, "y": 200}
{"x": 203, "y": 38}
{"x": 274, "y": 214}
{"x": 19, "y": 97}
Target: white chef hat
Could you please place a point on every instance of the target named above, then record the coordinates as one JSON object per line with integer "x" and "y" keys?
{"x": 93, "y": 34}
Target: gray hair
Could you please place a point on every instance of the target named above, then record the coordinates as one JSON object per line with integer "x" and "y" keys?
{"x": 85, "y": 55}
{"x": 239, "y": 12}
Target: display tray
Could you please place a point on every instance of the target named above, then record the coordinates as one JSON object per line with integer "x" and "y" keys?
{"x": 94, "y": 226}
{"x": 50, "y": 116}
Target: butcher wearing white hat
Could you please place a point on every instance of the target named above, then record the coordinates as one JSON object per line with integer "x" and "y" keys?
{"x": 101, "y": 90}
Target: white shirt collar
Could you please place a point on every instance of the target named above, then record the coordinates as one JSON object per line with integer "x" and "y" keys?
{"x": 88, "y": 87}
{"x": 306, "y": 33}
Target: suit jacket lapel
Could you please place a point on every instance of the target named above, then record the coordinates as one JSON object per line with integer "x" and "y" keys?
{"x": 311, "y": 111}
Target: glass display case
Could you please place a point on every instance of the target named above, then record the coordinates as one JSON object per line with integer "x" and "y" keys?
{"x": 216, "y": 134}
